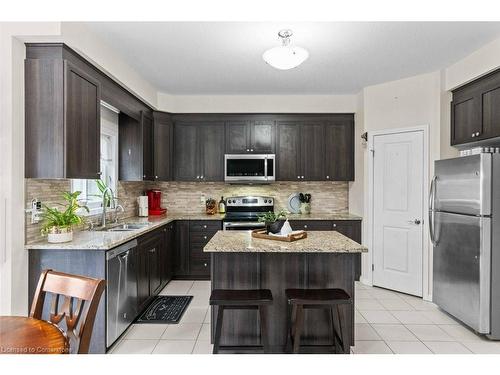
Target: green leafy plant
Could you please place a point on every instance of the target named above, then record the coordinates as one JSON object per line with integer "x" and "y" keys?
{"x": 271, "y": 217}
{"x": 55, "y": 219}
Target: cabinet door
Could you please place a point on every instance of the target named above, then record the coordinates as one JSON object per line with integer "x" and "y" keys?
{"x": 212, "y": 151}
{"x": 465, "y": 118}
{"x": 186, "y": 152}
{"x": 162, "y": 145}
{"x": 237, "y": 137}
{"x": 147, "y": 147}
{"x": 490, "y": 106}
{"x": 312, "y": 151}
{"x": 288, "y": 151}
{"x": 351, "y": 229}
{"x": 262, "y": 135}
{"x": 170, "y": 252}
{"x": 182, "y": 248}
{"x": 154, "y": 265}
{"x": 82, "y": 123}
{"x": 339, "y": 151}
{"x": 142, "y": 277}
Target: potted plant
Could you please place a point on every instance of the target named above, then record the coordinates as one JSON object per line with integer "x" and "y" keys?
{"x": 274, "y": 221}
{"x": 305, "y": 203}
{"x": 58, "y": 225}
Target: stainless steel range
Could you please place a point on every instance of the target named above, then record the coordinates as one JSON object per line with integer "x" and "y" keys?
{"x": 242, "y": 212}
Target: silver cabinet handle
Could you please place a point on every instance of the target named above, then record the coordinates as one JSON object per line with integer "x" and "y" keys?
{"x": 205, "y": 264}
{"x": 205, "y": 226}
{"x": 327, "y": 177}
{"x": 198, "y": 177}
{"x": 156, "y": 177}
{"x": 305, "y": 225}
{"x": 335, "y": 225}
{"x": 477, "y": 134}
{"x": 248, "y": 150}
{"x": 302, "y": 176}
{"x": 204, "y": 237}
{"x": 201, "y": 177}
{"x": 251, "y": 150}
{"x": 143, "y": 176}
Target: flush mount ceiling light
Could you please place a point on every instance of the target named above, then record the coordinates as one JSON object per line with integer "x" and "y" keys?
{"x": 286, "y": 56}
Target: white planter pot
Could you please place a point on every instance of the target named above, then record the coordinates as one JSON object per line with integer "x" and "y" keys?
{"x": 60, "y": 237}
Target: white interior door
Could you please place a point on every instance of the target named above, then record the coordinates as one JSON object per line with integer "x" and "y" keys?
{"x": 398, "y": 187}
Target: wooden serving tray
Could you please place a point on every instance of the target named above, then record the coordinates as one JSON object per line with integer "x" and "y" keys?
{"x": 261, "y": 233}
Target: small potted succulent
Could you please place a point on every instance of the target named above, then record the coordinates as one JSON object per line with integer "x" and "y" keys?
{"x": 305, "y": 203}
{"x": 274, "y": 221}
{"x": 58, "y": 225}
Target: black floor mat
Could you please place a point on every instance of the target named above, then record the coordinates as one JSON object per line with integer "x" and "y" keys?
{"x": 165, "y": 309}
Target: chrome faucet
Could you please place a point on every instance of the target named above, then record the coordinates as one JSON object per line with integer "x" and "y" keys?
{"x": 107, "y": 191}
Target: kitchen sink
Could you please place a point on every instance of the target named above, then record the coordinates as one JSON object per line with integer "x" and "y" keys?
{"x": 125, "y": 227}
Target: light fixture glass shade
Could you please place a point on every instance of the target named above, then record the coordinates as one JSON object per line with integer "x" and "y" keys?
{"x": 285, "y": 57}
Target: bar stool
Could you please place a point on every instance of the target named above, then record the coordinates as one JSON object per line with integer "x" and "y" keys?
{"x": 232, "y": 299}
{"x": 301, "y": 299}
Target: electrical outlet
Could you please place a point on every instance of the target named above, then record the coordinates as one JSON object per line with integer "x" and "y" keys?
{"x": 36, "y": 208}
{"x": 202, "y": 199}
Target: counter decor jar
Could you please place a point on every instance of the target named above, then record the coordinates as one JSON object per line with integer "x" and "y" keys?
{"x": 210, "y": 206}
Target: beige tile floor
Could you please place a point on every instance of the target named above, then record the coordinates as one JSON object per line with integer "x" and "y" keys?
{"x": 385, "y": 322}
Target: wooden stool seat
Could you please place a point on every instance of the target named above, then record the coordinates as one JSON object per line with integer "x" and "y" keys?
{"x": 231, "y": 297}
{"x": 301, "y": 299}
{"x": 247, "y": 299}
{"x": 317, "y": 296}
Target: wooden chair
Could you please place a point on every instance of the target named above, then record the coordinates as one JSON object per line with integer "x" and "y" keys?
{"x": 81, "y": 299}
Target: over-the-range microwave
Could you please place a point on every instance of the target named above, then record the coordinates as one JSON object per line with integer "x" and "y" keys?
{"x": 249, "y": 168}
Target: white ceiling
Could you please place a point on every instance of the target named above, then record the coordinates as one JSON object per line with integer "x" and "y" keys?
{"x": 203, "y": 58}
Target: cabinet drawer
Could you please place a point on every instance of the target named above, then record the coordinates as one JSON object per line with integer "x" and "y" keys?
{"x": 311, "y": 224}
{"x": 202, "y": 237}
{"x": 200, "y": 267}
{"x": 205, "y": 226}
{"x": 197, "y": 250}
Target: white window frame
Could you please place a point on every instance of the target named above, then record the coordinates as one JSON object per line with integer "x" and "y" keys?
{"x": 94, "y": 204}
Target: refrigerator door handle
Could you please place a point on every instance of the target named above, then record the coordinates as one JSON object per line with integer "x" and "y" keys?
{"x": 432, "y": 196}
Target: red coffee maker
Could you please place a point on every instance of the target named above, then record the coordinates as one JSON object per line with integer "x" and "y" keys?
{"x": 154, "y": 202}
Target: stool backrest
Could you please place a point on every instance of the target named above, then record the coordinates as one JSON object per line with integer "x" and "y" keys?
{"x": 81, "y": 297}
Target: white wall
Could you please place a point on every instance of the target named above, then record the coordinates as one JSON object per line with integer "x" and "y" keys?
{"x": 478, "y": 63}
{"x": 257, "y": 103}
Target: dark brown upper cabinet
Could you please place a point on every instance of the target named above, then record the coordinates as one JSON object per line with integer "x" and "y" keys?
{"x": 136, "y": 151}
{"x": 339, "y": 150}
{"x": 163, "y": 146}
{"x": 62, "y": 107}
{"x": 475, "y": 111}
{"x": 316, "y": 150}
{"x": 199, "y": 151}
{"x": 250, "y": 136}
{"x": 301, "y": 151}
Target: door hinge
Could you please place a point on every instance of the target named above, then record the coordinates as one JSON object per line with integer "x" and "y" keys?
{"x": 373, "y": 267}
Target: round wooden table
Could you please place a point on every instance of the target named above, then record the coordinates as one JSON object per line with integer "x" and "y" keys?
{"x": 22, "y": 335}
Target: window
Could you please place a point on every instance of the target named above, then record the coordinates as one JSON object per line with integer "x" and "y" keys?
{"x": 91, "y": 194}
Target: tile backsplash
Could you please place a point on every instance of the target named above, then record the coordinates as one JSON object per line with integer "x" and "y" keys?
{"x": 49, "y": 192}
{"x": 185, "y": 197}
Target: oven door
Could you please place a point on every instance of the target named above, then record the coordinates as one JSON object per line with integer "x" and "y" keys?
{"x": 249, "y": 168}
{"x": 242, "y": 225}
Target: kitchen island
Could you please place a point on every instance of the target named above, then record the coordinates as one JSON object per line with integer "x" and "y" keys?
{"x": 325, "y": 259}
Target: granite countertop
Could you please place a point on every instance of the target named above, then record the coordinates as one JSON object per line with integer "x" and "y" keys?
{"x": 324, "y": 216}
{"x": 103, "y": 240}
{"x": 316, "y": 242}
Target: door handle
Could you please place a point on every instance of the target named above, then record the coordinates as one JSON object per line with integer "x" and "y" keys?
{"x": 415, "y": 221}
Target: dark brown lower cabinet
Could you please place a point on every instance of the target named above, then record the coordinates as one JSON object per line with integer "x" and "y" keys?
{"x": 349, "y": 228}
{"x": 149, "y": 267}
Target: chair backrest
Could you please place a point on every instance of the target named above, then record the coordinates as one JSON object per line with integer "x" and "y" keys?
{"x": 81, "y": 299}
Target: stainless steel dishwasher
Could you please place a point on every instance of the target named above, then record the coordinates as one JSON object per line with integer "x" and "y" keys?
{"x": 121, "y": 290}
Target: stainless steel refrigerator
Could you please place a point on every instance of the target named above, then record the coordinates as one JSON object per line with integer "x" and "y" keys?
{"x": 464, "y": 222}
